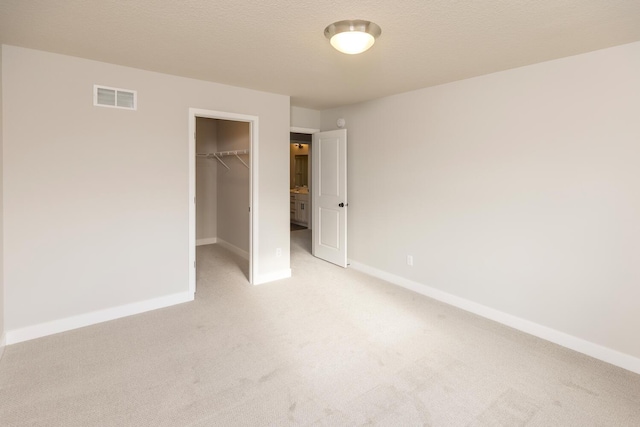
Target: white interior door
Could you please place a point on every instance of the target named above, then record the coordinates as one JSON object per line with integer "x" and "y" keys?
{"x": 329, "y": 230}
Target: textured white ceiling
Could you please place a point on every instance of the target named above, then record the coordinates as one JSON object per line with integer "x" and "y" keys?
{"x": 278, "y": 45}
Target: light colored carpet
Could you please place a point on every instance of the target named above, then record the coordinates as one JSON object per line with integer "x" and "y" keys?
{"x": 327, "y": 347}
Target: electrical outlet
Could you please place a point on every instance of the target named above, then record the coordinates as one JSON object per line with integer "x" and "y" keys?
{"x": 279, "y": 252}
{"x": 410, "y": 260}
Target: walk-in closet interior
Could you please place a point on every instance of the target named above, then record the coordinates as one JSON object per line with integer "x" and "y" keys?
{"x": 222, "y": 187}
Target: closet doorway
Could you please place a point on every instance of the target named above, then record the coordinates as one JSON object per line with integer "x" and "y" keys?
{"x": 222, "y": 166}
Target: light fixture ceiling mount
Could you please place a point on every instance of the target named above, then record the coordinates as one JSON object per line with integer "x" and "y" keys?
{"x": 352, "y": 36}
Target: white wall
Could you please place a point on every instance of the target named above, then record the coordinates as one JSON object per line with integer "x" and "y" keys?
{"x": 305, "y": 118}
{"x": 233, "y": 185}
{"x": 206, "y": 180}
{"x": 96, "y": 199}
{"x": 518, "y": 190}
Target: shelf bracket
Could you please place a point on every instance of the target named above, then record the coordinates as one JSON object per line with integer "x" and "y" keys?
{"x": 220, "y": 160}
{"x": 242, "y": 161}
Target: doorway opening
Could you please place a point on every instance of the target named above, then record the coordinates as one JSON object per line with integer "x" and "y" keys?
{"x": 300, "y": 187}
{"x": 300, "y": 181}
{"x": 326, "y": 235}
{"x": 222, "y": 186}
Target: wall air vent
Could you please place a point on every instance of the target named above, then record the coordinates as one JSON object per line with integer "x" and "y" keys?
{"x": 104, "y": 96}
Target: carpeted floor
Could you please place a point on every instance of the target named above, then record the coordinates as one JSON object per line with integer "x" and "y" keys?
{"x": 327, "y": 347}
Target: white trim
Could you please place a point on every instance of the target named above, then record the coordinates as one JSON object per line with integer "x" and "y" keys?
{"x": 253, "y": 228}
{"x": 253, "y": 190}
{"x": 207, "y": 241}
{"x": 580, "y": 345}
{"x": 3, "y": 343}
{"x": 303, "y": 130}
{"x": 232, "y": 248}
{"x": 191, "y": 202}
{"x": 87, "y": 319}
{"x": 272, "y": 277}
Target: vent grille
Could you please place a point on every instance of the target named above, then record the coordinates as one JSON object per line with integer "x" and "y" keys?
{"x": 104, "y": 96}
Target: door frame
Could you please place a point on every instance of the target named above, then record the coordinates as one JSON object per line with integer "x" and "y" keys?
{"x": 253, "y": 187}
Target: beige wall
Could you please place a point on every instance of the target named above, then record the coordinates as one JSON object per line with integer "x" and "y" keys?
{"x": 206, "y": 179}
{"x": 233, "y": 185}
{"x": 305, "y": 118}
{"x": 2, "y": 323}
{"x": 96, "y": 199}
{"x": 518, "y": 190}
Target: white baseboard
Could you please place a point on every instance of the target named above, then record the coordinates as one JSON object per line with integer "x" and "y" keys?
{"x": 236, "y": 250}
{"x": 3, "y": 343}
{"x": 79, "y": 321}
{"x": 272, "y": 277}
{"x": 207, "y": 241}
{"x": 580, "y": 345}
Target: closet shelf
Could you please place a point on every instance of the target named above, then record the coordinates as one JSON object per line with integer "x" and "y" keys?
{"x": 220, "y": 154}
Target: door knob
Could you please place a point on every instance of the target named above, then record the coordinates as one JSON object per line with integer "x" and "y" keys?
{"x": 342, "y": 205}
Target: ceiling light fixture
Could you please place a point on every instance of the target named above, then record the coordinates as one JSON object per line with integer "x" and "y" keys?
{"x": 352, "y": 36}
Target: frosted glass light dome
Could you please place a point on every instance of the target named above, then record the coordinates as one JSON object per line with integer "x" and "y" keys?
{"x": 352, "y": 37}
{"x": 352, "y": 42}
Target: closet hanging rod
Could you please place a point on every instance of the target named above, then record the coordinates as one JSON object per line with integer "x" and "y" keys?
{"x": 233, "y": 153}
{"x": 224, "y": 153}
{"x": 220, "y": 154}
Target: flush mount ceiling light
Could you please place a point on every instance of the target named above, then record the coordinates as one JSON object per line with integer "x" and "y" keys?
{"x": 353, "y": 36}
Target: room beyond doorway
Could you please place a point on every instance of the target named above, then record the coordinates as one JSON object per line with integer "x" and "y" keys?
{"x": 300, "y": 180}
